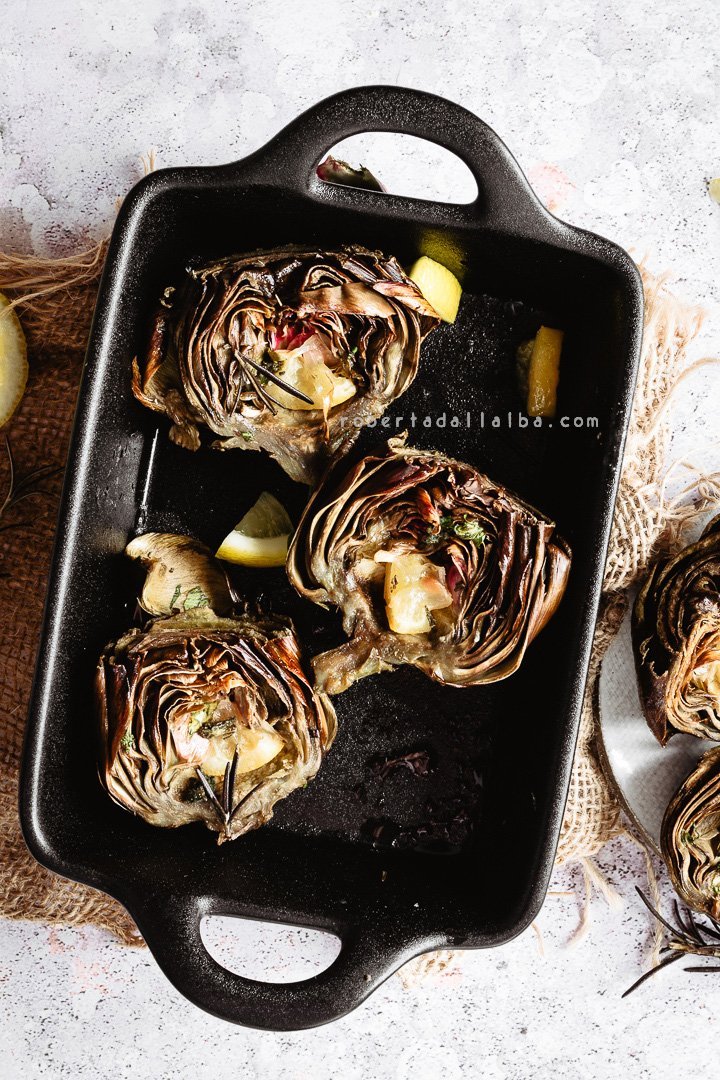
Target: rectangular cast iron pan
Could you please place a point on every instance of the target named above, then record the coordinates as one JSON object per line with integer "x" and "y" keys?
{"x": 394, "y": 867}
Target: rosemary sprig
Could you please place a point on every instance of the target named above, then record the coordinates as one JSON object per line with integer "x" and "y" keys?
{"x": 268, "y": 374}
{"x": 688, "y": 938}
{"x": 223, "y": 806}
{"x": 18, "y": 490}
{"x": 253, "y": 372}
{"x": 259, "y": 390}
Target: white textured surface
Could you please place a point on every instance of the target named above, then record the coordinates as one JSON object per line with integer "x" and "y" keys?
{"x": 612, "y": 110}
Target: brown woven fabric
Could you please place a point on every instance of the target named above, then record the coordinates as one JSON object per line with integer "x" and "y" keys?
{"x": 59, "y": 296}
{"x": 592, "y": 816}
{"x": 56, "y": 318}
{"x": 55, "y": 300}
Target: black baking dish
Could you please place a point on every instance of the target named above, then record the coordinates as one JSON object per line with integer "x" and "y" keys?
{"x": 484, "y": 824}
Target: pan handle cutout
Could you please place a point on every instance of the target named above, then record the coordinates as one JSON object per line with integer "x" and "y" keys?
{"x": 504, "y": 200}
{"x": 172, "y": 927}
{"x": 268, "y": 952}
{"x": 407, "y": 165}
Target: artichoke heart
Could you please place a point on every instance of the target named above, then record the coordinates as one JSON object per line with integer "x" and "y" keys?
{"x": 291, "y": 351}
{"x": 691, "y": 837}
{"x": 206, "y": 717}
{"x": 431, "y": 563}
{"x": 676, "y": 640}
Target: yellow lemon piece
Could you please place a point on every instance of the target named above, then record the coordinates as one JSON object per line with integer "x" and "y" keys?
{"x": 414, "y": 587}
{"x": 257, "y": 748}
{"x": 254, "y": 749}
{"x": 714, "y": 189}
{"x": 13, "y": 361}
{"x": 544, "y": 372}
{"x": 305, "y": 369}
{"x": 261, "y": 538}
{"x": 438, "y": 285}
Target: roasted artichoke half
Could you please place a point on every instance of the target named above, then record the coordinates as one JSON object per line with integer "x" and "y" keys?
{"x": 691, "y": 837}
{"x": 431, "y": 563}
{"x": 206, "y": 717}
{"x": 290, "y": 351}
{"x": 676, "y": 640}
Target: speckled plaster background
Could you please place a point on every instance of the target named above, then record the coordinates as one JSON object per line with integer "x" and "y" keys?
{"x": 611, "y": 108}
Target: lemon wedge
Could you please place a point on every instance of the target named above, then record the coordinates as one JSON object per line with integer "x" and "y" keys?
{"x": 13, "y": 361}
{"x": 438, "y": 285}
{"x": 254, "y": 749}
{"x": 261, "y": 538}
{"x": 414, "y": 587}
{"x": 305, "y": 370}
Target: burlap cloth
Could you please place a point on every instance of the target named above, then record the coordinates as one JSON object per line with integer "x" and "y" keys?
{"x": 55, "y": 301}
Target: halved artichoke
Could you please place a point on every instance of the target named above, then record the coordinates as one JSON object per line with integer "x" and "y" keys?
{"x": 207, "y": 718}
{"x": 334, "y": 171}
{"x": 290, "y": 351}
{"x": 431, "y": 563}
{"x": 676, "y": 640}
{"x": 691, "y": 837}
